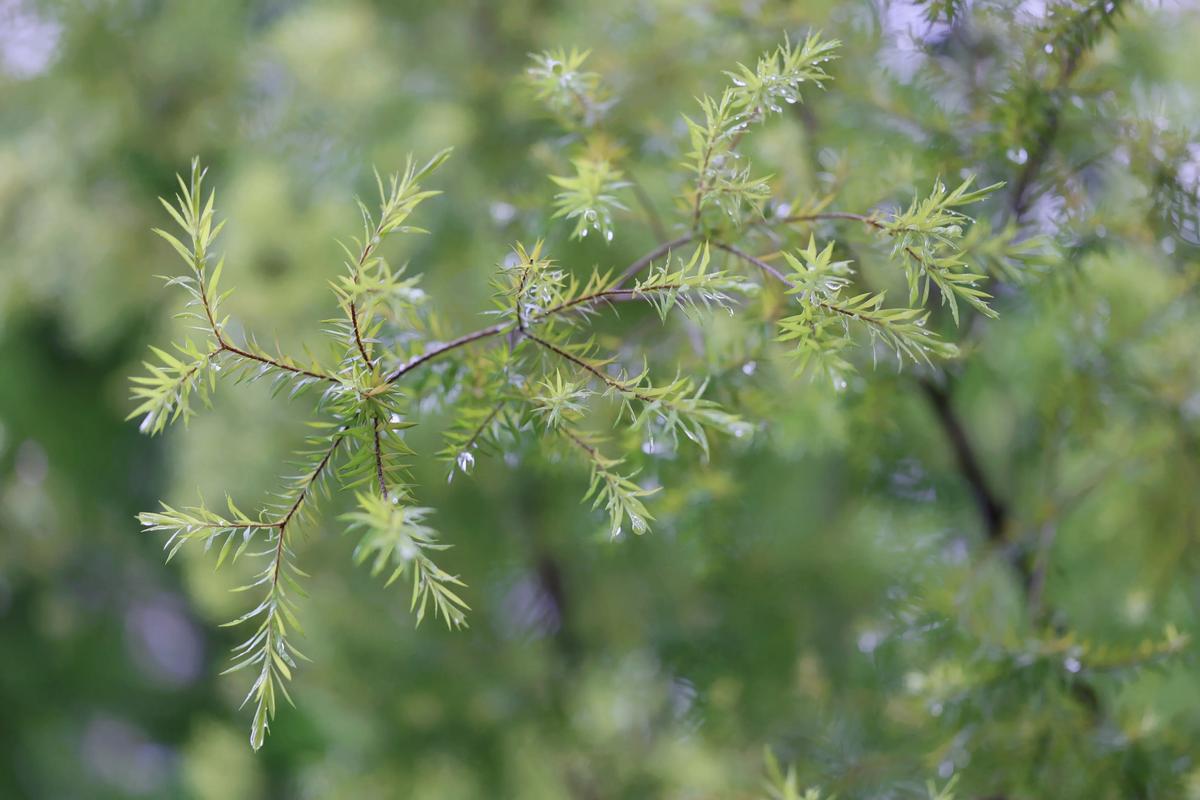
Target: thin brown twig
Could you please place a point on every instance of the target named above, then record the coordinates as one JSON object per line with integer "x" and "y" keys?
{"x": 383, "y": 490}
{"x": 223, "y": 346}
{"x": 367, "y": 250}
{"x": 483, "y": 426}
{"x": 280, "y": 365}
{"x": 503, "y": 327}
{"x": 309, "y": 482}
{"x": 608, "y": 380}
{"x": 591, "y": 450}
{"x": 755, "y": 261}
{"x": 429, "y": 355}
{"x": 604, "y": 296}
{"x": 643, "y": 262}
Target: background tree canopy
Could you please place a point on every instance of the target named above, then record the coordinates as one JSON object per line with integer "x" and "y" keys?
{"x": 980, "y": 571}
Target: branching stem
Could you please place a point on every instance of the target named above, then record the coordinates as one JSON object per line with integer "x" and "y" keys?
{"x": 605, "y": 378}
{"x": 442, "y": 349}
{"x": 378, "y": 445}
{"x": 223, "y": 345}
{"x": 305, "y": 490}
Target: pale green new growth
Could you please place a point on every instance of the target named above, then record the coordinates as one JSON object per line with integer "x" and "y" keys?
{"x": 785, "y": 785}
{"x": 571, "y": 93}
{"x": 778, "y": 77}
{"x": 166, "y": 392}
{"x": 617, "y": 494}
{"x": 588, "y": 197}
{"x": 535, "y": 374}
{"x": 823, "y": 327}
{"x": 927, "y": 238}
{"x": 722, "y": 180}
{"x": 370, "y": 286}
{"x": 393, "y": 535}
{"x": 692, "y": 288}
{"x": 561, "y": 401}
{"x": 1006, "y": 254}
{"x": 780, "y": 784}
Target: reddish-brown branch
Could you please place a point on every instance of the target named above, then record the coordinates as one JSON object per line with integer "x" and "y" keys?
{"x": 658, "y": 252}
{"x": 608, "y": 380}
{"x": 379, "y": 475}
{"x": 229, "y": 348}
{"x": 311, "y": 481}
{"x": 223, "y": 346}
{"x": 441, "y": 349}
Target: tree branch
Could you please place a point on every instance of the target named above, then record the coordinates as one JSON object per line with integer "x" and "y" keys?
{"x": 441, "y": 349}
{"x": 664, "y": 248}
{"x": 305, "y": 490}
{"x": 608, "y": 380}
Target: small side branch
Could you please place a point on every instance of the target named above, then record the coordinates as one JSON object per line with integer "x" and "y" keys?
{"x": 442, "y": 349}
{"x": 379, "y": 472}
{"x": 604, "y": 378}
{"x": 637, "y": 266}
{"x": 305, "y": 488}
{"x": 754, "y": 260}
{"x": 224, "y": 346}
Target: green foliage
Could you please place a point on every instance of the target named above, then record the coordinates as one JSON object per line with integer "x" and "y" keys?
{"x": 692, "y": 288}
{"x": 784, "y": 785}
{"x": 394, "y": 536}
{"x": 165, "y": 393}
{"x": 822, "y": 329}
{"x": 574, "y": 95}
{"x": 616, "y": 493}
{"x": 589, "y": 198}
{"x": 370, "y": 286}
{"x": 540, "y": 305}
{"x": 927, "y": 237}
{"x": 722, "y": 180}
{"x": 777, "y": 78}
{"x": 980, "y": 569}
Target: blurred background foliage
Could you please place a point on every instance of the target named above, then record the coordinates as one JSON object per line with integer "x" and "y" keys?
{"x": 987, "y": 572}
